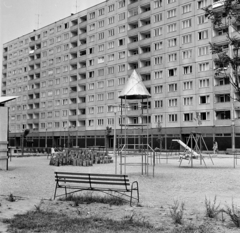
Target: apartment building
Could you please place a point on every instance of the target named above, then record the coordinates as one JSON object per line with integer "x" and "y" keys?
{"x": 69, "y": 74}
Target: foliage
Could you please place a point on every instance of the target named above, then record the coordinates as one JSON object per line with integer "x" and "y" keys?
{"x": 228, "y": 17}
{"x": 234, "y": 213}
{"x": 212, "y": 209}
{"x": 90, "y": 198}
{"x": 176, "y": 212}
{"x": 35, "y": 221}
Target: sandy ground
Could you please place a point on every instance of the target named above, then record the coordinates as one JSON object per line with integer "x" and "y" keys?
{"x": 31, "y": 180}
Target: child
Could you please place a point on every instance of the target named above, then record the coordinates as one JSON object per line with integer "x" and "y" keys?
{"x": 215, "y": 147}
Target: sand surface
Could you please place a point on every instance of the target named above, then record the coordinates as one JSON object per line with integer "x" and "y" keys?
{"x": 31, "y": 179}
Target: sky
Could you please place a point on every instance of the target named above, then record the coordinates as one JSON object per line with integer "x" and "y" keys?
{"x": 19, "y": 17}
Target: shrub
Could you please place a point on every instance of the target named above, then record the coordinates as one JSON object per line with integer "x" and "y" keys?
{"x": 212, "y": 209}
{"x": 176, "y": 212}
{"x": 234, "y": 213}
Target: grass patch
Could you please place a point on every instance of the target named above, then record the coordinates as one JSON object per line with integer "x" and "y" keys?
{"x": 234, "y": 213}
{"x": 176, "y": 212}
{"x": 35, "y": 221}
{"x": 88, "y": 198}
{"x": 212, "y": 208}
{"x": 192, "y": 228}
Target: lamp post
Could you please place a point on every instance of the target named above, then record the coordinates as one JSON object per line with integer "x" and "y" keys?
{"x": 46, "y": 139}
{"x": 114, "y": 138}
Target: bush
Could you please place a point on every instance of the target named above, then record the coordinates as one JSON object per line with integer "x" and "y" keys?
{"x": 212, "y": 209}
{"x": 234, "y": 213}
{"x": 176, "y": 212}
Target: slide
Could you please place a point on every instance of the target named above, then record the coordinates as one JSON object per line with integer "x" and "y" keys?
{"x": 186, "y": 147}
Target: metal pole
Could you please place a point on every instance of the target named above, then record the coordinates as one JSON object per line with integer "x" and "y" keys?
{"x": 114, "y": 141}
{"x": 64, "y": 138}
{"x": 46, "y": 139}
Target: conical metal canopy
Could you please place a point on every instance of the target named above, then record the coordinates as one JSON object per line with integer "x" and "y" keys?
{"x": 134, "y": 88}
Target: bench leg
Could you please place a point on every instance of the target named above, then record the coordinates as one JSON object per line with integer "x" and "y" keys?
{"x": 55, "y": 191}
{"x": 65, "y": 192}
{"x": 136, "y": 189}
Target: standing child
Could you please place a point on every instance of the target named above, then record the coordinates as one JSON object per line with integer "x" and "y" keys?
{"x": 215, "y": 147}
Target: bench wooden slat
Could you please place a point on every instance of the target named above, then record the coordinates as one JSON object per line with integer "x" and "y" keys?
{"x": 87, "y": 178}
{"x": 87, "y": 182}
{"x": 91, "y": 174}
{"x": 94, "y": 188}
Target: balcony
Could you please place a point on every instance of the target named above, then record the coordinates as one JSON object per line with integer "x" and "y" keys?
{"x": 74, "y": 38}
{"x": 133, "y": 58}
{"x": 222, "y": 88}
{"x": 74, "y": 49}
{"x": 74, "y": 27}
{"x": 73, "y": 60}
{"x": 82, "y": 36}
{"x": 220, "y": 39}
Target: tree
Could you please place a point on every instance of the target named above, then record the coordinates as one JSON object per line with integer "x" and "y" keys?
{"x": 227, "y": 19}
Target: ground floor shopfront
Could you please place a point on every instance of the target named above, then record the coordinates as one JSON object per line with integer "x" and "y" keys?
{"x": 84, "y": 139}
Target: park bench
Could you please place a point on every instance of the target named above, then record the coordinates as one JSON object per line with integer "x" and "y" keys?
{"x": 106, "y": 183}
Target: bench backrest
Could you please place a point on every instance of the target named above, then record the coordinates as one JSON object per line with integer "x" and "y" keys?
{"x": 93, "y": 180}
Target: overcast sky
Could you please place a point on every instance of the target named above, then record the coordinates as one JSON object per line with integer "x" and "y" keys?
{"x": 19, "y": 17}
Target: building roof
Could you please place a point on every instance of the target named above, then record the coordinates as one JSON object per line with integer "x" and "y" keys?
{"x": 134, "y": 88}
{"x": 4, "y": 99}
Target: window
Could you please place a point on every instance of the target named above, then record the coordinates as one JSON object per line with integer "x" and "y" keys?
{"x": 158, "y": 74}
{"x": 101, "y": 72}
{"x": 186, "y": 23}
{"x": 65, "y": 113}
{"x": 58, "y": 38}
{"x": 44, "y": 43}
{"x": 101, "y": 35}
{"x": 121, "y": 55}
{"x": 91, "y": 62}
{"x": 171, "y": 13}
{"x": 121, "y": 29}
{"x": 172, "y": 27}
{"x": 187, "y": 85}
{"x": 110, "y": 121}
{"x": 111, "y": 45}
{"x": 100, "y": 97}
{"x": 111, "y": 20}
{"x": 101, "y": 84}
{"x": 187, "y": 69}
{"x": 59, "y": 28}
{"x": 121, "y": 42}
{"x": 204, "y": 116}
{"x": 44, "y": 35}
{"x": 157, "y": 3}
{"x": 111, "y": 8}
{"x": 100, "y": 59}
{"x": 202, "y": 19}
{"x": 58, "y": 59}
{"x": 57, "y": 81}
{"x": 111, "y": 32}
{"x": 158, "y": 104}
{"x": 65, "y": 79}
{"x": 50, "y": 62}
{"x": 203, "y": 50}
{"x": 100, "y": 109}
{"x": 121, "y": 3}
{"x": 101, "y": 24}
{"x": 172, "y": 102}
{"x": 158, "y": 45}
{"x": 91, "y": 74}
{"x": 91, "y": 38}
{"x": 91, "y": 86}
{"x": 172, "y": 87}
{"x": 158, "y": 18}
{"x": 51, "y": 41}
{"x": 101, "y": 12}
{"x": 172, "y": 57}
{"x": 90, "y": 98}
{"x": 66, "y": 46}
{"x": 111, "y": 70}
{"x": 91, "y": 50}
{"x": 205, "y": 99}
{"x": 187, "y": 54}
{"x": 121, "y": 68}
{"x": 158, "y": 60}
{"x": 203, "y": 83}
{"x": 158, "y": 118}
{"x": 50, "y": 51}
{"x": 186, "y": 8}
{"x": 91, "y": 110}
{"x": 158, "y": 89}
{"x": 100, "y": 121}
{"x": 202, "y": 3}
{"x": 90, "y": 123}
{"x": 92, "y": 15}
{"x": 121, "y": 16}
{"x": 92, "y": 26}
{"x": 172, "y": 42}
{"x": 172, "y": 117}
{"x": 203, "y": 35}
{"x": 57, "y": 102}
{"x": 111, "y": 57}
{"x": 204, "y": 66}
{"x": 110, "y": 95}
{"x": 187, "y": 39}
{"x": 158, "y": 31}
{"x": 66, "y": 25}
{"x": 121, "y": 81}
{"x": 101, "y": 48}
{"x": 172, "y": 72}
{"x": 188, "y": 117}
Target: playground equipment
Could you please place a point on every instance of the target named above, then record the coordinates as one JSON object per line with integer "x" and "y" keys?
{"x": 135, "y": 92}
{"x": 197, "y": 143}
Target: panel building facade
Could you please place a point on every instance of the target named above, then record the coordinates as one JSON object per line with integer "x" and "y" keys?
{"x": 69, "y": 74}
